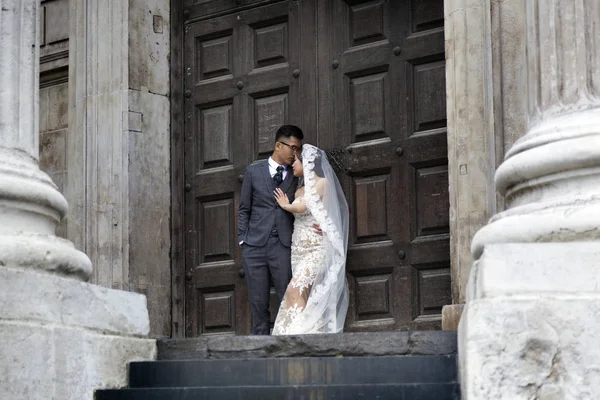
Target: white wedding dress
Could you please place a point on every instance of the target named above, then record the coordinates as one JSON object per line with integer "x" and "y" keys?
{"x": 316, "y": 300}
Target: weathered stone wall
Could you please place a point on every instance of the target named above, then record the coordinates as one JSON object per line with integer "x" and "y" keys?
{"x": 53, "y": 139}
{"x": 109, "y": 155}
{"x": 471, "y": 143}
{"x": 149, "y": 159}
{"x": 54, "y": 94}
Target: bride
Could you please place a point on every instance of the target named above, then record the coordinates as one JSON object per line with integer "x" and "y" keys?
{"x": 316, "y": 299}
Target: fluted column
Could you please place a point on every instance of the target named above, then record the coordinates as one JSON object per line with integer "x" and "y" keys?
{"x": 532, "y": 318}
{"x": 18, "y": 81}
{"x": 30, "y": 205}
{"x": 550, "y": 177}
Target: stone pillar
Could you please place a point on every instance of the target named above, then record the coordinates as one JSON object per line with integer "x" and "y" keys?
{"x": 30, "y": 205}
{"x": 118, "y": 147}
{"x": 531, "y": 324}
{"x": 60, "y": 337}
{"x": 471, "y": 140}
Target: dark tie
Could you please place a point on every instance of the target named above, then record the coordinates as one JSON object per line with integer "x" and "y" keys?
{"x": 278, "y": 177}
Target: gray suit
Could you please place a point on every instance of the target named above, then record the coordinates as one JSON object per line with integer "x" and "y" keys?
{"x": 266, "y": 231}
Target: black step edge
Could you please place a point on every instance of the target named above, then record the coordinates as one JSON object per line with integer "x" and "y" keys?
{"x": 343, "y": 392}
{"x": 294, "y": 371}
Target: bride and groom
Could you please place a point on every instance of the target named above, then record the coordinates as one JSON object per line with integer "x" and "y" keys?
{"x": 293, "y": 229}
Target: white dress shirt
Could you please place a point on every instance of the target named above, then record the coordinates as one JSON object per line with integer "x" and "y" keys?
{"x": 273, "y": 168}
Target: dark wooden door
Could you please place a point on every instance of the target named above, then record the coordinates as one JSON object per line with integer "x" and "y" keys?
{"x": 366, "y": 82}
{"x": 246, "y": 73}
{"x": 386, "y": 128}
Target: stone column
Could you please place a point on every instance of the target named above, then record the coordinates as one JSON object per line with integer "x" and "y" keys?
{"x": 471, "y": 154}
{"x": 531, "y": 325}
{"x": 61, "y": 338}
{"x": 30, "y": 205}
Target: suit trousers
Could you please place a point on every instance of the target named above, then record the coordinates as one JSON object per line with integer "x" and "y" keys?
{"x": 264, "y": 265}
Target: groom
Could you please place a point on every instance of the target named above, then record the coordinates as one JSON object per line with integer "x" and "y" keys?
{"x": 264, "y": 229}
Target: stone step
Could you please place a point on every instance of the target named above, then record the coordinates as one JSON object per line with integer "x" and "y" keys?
{"x": 294, "y": 371}
{"x": 430, "y": 391}
{"x": 347, "y": 344}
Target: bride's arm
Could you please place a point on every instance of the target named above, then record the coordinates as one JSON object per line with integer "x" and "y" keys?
{"x": 284, "y": 202}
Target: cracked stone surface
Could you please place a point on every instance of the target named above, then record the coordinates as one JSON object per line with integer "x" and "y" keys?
{"x": 347, "y": 344}
{"x": 522, "y": 349}
{"x": 531, "y": 326}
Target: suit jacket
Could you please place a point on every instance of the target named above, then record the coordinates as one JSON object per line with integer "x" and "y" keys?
{"x": 259, "y": 213}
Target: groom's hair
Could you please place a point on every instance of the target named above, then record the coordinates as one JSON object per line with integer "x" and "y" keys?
{"x": 289, "y": 131}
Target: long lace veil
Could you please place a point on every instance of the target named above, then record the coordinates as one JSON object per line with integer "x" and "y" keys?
{"x": 327, "y": 304}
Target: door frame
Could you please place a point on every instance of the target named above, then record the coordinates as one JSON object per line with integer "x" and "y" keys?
{"x": 177, "y": 251}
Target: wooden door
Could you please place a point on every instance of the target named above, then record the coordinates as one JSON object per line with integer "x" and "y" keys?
{"x": 385, "y": 127}
{"x": 366, "y": 82}
{"x": 243, "y": 77}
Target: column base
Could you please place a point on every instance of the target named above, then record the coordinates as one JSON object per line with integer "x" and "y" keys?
{"x": 531, "y": 324}
{"x": 30, "y": 209}
{"x": 44, "y": 252}
{"x": 63, "y": 339}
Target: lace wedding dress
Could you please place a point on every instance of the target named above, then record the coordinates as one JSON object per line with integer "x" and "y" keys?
{"x": 308, "y": 256}
{"x": 316, "y": 300}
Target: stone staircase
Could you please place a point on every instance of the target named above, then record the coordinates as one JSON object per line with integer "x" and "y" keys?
{"x": 386, "y": 365}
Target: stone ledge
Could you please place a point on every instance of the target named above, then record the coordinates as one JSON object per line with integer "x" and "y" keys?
{"x": 37, "y": 296}
{"x": 539, "y": 269}
{"x": 42, "y": 361}
{"x": 347, "y": 344}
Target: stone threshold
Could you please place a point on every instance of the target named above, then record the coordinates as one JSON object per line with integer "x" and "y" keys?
{"x": 329, "y": 345}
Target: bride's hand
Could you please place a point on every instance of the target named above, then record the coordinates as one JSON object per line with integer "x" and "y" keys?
{"x": 281, "y": 198}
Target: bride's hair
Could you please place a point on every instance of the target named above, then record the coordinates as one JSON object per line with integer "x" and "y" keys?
{"x": 317, "y": 169}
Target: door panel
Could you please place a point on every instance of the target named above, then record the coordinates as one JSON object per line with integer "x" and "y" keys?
{"x": 194, "y": 9}
{"x": 242, "y": 82}
{"x": 387, "y": 74}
